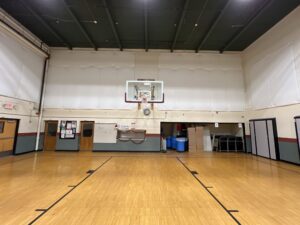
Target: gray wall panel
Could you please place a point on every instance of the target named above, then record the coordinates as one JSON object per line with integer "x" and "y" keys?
{"x": 150, "y": 144}
{"x": 289, "y": 152}
{"x": 248, "y": 144}
{"x": 271, "y": 139}
{"x": 25, "y": 144}
{"x": 41, "y": 142}
{"x": 67, "y": 144}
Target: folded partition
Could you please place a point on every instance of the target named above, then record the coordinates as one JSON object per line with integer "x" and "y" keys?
{"x": 264, "y": 138}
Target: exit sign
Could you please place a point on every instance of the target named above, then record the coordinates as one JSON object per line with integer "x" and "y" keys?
{"x": 9, "y": 105}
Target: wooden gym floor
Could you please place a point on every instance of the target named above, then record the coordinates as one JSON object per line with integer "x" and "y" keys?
{"x": 147, "y": 189}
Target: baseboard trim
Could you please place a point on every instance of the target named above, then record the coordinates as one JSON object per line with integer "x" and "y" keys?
{"x": 288, "y": 162}
{"x": 60, "y": 150}
{"x": 6, "y": 153}
{"x": 22, "y": 153}
{"x": 136, "y": 151}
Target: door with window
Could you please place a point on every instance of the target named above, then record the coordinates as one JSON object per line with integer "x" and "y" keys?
{"x": 7, "y": 134}
{"x": 86, "y": 135}
{"x": 50, "y": 135}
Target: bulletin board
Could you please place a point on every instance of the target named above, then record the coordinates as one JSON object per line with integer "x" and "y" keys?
{"x": 68, "y": 129}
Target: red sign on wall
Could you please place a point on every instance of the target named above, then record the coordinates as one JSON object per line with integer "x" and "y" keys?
{"x": 9, "y": 106}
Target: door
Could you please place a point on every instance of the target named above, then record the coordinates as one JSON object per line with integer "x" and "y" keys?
{"x": 295, "y": 156}
{"x": 264, "y": 138}
{"x": 86, "y": 135}
{"x": 253, "y": 141}
{"x": 50, "y": 135}
{"x": 7, "y": 134}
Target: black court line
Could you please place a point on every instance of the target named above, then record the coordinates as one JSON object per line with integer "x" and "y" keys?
{"x": 41, "y": 210}
{"x": 168, "y": 156}
{"x": 229, "y": 212}
{"x": 91, "y": 171}
{"x": 233, "y": 210}
{"x": 194, "y": 172}
{"x": 72, "y": 189}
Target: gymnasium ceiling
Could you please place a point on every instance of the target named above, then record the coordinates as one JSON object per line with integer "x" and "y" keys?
{"x": 230, "y": 25}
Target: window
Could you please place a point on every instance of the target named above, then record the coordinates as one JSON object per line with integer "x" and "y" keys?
{"x": 52, "y": 129}
{"x": 88, "y": 130}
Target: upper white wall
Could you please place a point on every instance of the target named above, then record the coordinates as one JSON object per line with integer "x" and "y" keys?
{"x": 81, "y": 79}
{"x": 272, "y": 66}
{"x": 21, "y": 69}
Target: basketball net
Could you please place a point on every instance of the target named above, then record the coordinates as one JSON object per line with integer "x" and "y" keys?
{"x": 144, "y": 102}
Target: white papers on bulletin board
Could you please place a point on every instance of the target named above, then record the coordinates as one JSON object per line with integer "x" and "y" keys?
{"x": 105, "y": 133}
{"x": 68, "y": 129}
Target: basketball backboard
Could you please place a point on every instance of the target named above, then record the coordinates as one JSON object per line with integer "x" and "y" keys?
{"x": 138, "y": 91}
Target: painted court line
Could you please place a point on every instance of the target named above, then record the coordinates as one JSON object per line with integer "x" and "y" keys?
{"x": 72, "y": 189}
{"x": 229, "y": 212}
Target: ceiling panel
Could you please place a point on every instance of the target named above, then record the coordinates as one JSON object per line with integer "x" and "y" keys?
{"x": 59, "y": 28}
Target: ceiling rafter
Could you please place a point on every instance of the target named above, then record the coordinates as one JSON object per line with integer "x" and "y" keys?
{"x": 183, "y": 13}
{"x": 259, "y": 12}
{"x": 112, "y": 24}
{"x": 45, "y": 24}
{"x": 146, "y": 25}
{"x": 213, "y": 26}
{"x": 81, "y": 27}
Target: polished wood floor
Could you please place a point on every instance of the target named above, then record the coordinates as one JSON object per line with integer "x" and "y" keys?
{"x": 147, "y": 189}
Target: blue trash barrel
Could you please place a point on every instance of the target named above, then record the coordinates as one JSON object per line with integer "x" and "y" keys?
{"x": 169, "y": 142}
{"x": 174, "y": 142}
{"x": 181, "y": 144}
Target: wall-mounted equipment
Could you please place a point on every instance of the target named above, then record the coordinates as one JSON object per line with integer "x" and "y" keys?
{"x": 139, "y": 90}
{"x": 136, "y": 136}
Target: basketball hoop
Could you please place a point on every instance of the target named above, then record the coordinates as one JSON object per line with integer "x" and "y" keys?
{"x": 138, "y": 90}
{"x": 146, "y": 93}
{"x": 144, "y": 100}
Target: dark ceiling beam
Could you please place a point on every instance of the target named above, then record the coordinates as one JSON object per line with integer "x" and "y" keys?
{"x": 112, "y": 24}
{"x": 183, "y": 13}
{"x": 213, "y": 26}
{"x": 146, "y": 25}
{"x": 81, "y": 27}
{"x": 257, "y": 14}
{"x": 45, "y": 24}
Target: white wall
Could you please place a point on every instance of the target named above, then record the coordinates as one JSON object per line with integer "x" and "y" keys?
{"x": 151, "y": 123}
{"x": 21, "y": 71}
{"x": 23, "y": 110}
{"x": 96, "y": 80}
{"x": 272, "y": 66}
{"x": 272, "y": 75}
